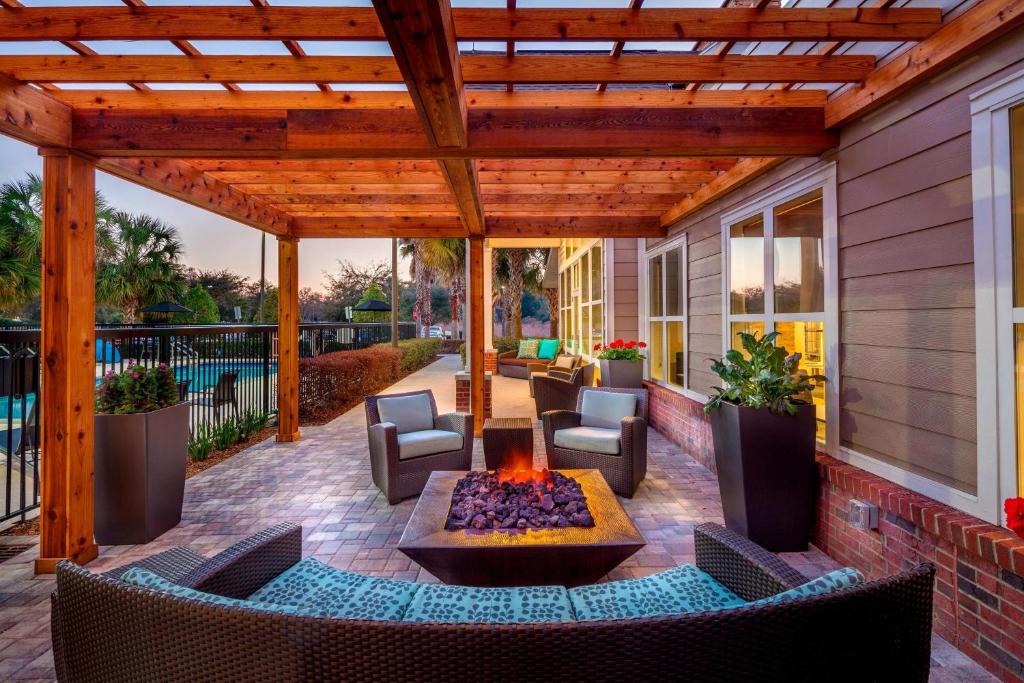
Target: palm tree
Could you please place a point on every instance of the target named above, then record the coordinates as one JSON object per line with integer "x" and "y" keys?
{"x": 446, "y": 258}
{"x": 517, "y": 271}
{"x": 423, "y": 277}
{"x": 140, "y": 264}
{"x": 21, "y": 239}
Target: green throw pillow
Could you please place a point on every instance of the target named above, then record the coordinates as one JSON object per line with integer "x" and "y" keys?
{"x": 528, "y": 348}
{"x": 548, "y": 349}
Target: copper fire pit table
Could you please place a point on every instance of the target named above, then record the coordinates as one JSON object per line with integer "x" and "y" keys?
{"x": 533, "y": 557}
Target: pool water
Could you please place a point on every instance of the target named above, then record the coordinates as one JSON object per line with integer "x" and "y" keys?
{"x": 203, "y": 376}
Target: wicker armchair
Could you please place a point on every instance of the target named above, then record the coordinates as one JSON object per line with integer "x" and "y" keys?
{"x": 557, "y": 390}
{"x": 106, "y": 630}
{"x": 399, "y": 478}
{"x": 623, "y": 471}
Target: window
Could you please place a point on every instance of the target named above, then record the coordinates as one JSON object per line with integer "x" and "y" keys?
{"x": 666, "y": 315}
{"x": 777, "y": 255}
{"x": 581, "y": 288}
{"x": 997, "y": 151}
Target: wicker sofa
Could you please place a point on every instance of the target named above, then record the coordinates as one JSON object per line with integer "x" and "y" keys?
{"x": 107, "y": 630}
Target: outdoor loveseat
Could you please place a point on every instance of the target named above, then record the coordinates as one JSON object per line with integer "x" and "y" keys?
{"x": 106, "y": 629}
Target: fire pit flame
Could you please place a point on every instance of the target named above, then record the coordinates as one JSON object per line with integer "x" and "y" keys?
{"x": 540, "y": 478}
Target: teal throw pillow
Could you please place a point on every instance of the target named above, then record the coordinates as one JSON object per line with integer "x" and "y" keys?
{"x": 548, "y": 349}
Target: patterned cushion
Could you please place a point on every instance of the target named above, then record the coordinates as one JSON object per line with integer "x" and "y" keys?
{"x": 848, "y": 577}
{"x": 462, "y": 604}
{"x": 415, "y": 444}
{"x": 679, "y": 590}
{"x": 320, "y": 589}
{"x": 605, "y": 408}
{"x": 528, "y": 348}
{"x": 147, "y": 579}
{"x": 548, "y": 348}
{"x": 407, "y": 413}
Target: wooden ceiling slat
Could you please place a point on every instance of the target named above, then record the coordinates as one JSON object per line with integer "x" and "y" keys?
{"x": 308, "y": 177}
{"x": 744, "y": 171}
{"x": 497, "y": 24}
{"x": 475, "y": 69}
{"x": 596, "y": 177}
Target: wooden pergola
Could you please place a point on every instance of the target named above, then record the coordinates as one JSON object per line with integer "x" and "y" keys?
{"x": 504, "y": 144}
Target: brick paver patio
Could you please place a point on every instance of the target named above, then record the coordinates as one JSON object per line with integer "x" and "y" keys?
{"x": 323, "y": 482}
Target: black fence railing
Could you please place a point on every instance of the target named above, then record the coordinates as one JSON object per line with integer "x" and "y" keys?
{"x": 221, "y": 370}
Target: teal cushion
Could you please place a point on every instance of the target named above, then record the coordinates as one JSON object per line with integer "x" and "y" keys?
{"x": 438, "y": 603}
{"x": 848, "y": 577}
{"x": 318, "y": 588}
{"x": 548, "y": 349}
{"x": 147, "y": 579}
{"x": 679, "y": 590}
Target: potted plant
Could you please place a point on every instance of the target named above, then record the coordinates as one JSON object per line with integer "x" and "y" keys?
{"x": 622, "y": 365}
{"x": 764, "y": 436}
{"x": 141, "y": 450}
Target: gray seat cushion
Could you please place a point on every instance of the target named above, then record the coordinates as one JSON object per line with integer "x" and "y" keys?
{"x": 590, "y": 439}
{"x": 407, "y": 413}
{"x": 605, "y": 409}
{"x": 426, "y": 442}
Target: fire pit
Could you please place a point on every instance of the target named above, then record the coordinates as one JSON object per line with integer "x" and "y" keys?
{"x": 545, "y": 554}
{"x": 517, "y": 500}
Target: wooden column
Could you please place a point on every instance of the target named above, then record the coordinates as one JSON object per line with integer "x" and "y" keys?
{"x": 476, "y": 330}
{"x": 287, "y": 339}
{"x": 394, "y": 292}
{"x": 69, "y": 361}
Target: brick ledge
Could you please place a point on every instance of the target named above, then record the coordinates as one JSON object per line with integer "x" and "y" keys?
{"x": 990, "y": 542}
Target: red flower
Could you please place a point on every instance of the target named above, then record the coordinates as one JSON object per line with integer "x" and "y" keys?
{"x": 597, "y": 347}
{"x": 642, "y": 345}
{"x": 631, "y": 345}
{"x": 1015, "y": 515}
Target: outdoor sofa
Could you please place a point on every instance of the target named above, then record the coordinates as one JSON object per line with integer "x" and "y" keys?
{"x": 188, "y": 618}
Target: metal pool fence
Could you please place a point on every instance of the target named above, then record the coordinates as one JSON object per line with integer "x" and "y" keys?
{"x": 221, "y": 370}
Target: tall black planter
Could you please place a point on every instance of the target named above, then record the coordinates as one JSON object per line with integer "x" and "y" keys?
{"x": 140, "y": 474}
{"x": 766, "y": 474}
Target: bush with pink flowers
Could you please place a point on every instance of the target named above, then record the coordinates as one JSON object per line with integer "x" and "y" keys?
{"x": 621, "y": 350}
{"x": 137, "y": 389}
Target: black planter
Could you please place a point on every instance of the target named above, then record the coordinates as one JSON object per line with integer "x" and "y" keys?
{"x": 766, "y": 474}
{"x": 140, "y": 474}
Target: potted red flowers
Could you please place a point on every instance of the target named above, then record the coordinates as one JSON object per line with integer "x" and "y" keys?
{"x": 622, "y": 365}
{"x": 1015, "y": 515}
{"x": 141, "y": 451}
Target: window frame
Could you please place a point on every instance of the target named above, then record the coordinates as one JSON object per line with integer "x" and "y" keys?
{"x": 995, "y": 315}
{"x": 576, "y": 250}
{"x": 660, "y": 251}
{"x": 823, "y": 179}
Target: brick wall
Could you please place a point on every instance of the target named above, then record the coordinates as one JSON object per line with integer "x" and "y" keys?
{"x": 462, "y": 398}
{"x": 979, "y": 587}
{"x": 490, "y": 360}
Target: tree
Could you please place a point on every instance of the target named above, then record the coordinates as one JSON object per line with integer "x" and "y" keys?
{"x": 140, "y": 265}
{"x": 423, "y": 277}
{"x": 312, "y": 305}
{"x": 374, "y": 292}
{"x": 204, "y": 308}
{"x": 446, "y": 258}
{"x": 350, "y": 281}
{"x": 517, "y": 271}
{"x": 226, "y": 288}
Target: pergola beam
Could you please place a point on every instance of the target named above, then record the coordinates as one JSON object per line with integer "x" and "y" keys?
{"x": 475, "y": 69}
{"x": 743, "y": 172}
{"x": 498, "y": 24}
{"x": 33, "y": 116}
{"x": 503, "y": 225}
{"x": 493, "y": 134}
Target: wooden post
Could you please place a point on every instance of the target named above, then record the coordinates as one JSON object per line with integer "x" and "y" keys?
{"x": 476, "y": 331}
{"x": 394, "y": 292}
{"x": 287, "y": 339}
{"x": 69, "y": 361}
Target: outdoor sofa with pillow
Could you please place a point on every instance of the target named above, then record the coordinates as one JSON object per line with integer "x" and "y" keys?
{"x": 537, "y": 352}
{"x": 259, "y": 612}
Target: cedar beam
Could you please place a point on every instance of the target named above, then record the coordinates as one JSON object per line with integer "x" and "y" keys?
{"x": 477, "y": 303}
{"x": 287, "y": 339}
{"x": 69, "y": 364}
{"x": 981, "y": 24}
{"x": 178, "y": 179}
{"x": 498, "y": 24}
{"x": 423, "y": 41}
{"x": 475, "y": 69}
{"x": 33, "y": 116}
{"x": 743, "y": 172}
{"x": 504, "y": 224}
{"x": 391, "y": 226}
{"x": 605, "y": 225}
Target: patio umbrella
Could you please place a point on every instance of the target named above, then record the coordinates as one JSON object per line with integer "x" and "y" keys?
{"x": 374, "y": 305}
{"x": 167, "y": 307}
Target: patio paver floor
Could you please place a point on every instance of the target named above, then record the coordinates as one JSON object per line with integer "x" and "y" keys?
{"x": 323, "y": 482}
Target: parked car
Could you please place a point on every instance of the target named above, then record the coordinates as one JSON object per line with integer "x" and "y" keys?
{"x": 435, "y": 332}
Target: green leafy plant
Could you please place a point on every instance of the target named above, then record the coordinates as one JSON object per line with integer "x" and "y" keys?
{"x": 200, "y": 444}
{"x": 621, "y": 350}
{"x": 767, "y": 377}
{"x": 226, "y": 434}
{"x": 136, "y": 390}
{"x": 250, "y": 424}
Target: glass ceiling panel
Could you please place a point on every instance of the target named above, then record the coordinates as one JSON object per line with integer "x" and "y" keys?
{"x": 277, "y": 86}
{"x": 347, "y": 48}
{"x": 43, "y": 47}
{"x": 133, "y": 47}
{"x": 267, "y": 48}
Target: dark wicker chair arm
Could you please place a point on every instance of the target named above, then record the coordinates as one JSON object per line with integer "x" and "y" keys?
{"x": 455, "y": 422}
{"x": 739, "y": 564}
{"x": 247, "y": 566}
{"x": 174, "y": 564}
{"x": 537, "y": 366}
{"x": 560, "y": 374}
{"x": 508, "y": 354}
{"x": 553, "y": 420}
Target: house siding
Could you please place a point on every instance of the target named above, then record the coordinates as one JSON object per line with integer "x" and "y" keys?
{"x": 626, "y": 309}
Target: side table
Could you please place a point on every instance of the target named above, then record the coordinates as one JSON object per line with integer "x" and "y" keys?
{"x": 508, "y": 443}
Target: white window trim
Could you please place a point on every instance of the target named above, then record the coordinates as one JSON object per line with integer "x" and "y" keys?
{"x": 825, "y": 179}
{"x": 586, "y": 350}
{"x": 993, "y": 295}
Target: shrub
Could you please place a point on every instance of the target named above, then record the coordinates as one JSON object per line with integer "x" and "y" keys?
{"x": 200, "y": 444}
{"x": 226, "y": 434}
{"x": 136, "y": 390}
{"x": 333, "y": 380}
{"x": 417, "y": 353}
{"x": 506, "y": 344}
{"x": 250, "y": 423}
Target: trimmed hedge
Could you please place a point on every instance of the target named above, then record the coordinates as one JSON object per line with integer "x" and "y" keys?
{"x": 416, "y": 353}
{"x": 332, "y": 381}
